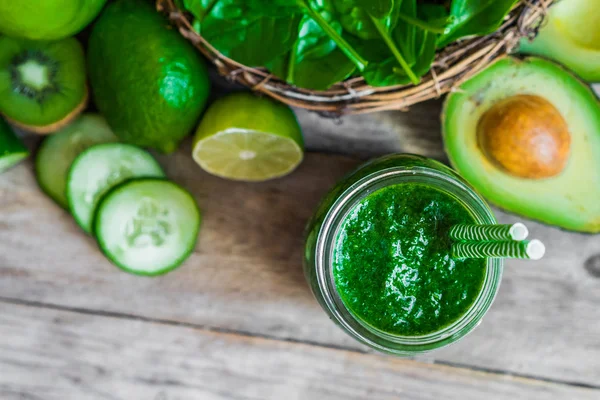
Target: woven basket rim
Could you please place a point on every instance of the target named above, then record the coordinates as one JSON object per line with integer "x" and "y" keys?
{"x": 452, "y": 66}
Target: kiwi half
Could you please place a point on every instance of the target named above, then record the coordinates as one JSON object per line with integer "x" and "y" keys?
{"x": 42, "y": 84}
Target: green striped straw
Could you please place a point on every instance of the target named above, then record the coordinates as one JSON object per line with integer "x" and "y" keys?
{"x": 531, "y": 250}
{"x": 488, "y": 233}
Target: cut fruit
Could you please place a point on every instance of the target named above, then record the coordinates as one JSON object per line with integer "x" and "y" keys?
{"x": 570, "y": 34}
{"x": 57, "y": 152}
{"x": 12, "y": 149}
{"x": 541, "y": 158}
{"x": 534, "y": 126}
{"x": 247, "y": 138}
{"x": 42, "y": 84}
{"x": 147, "y": 226}
{"x": 96, "y": 170}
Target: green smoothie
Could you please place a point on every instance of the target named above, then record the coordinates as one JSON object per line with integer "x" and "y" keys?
{"x": 392, "y": 265}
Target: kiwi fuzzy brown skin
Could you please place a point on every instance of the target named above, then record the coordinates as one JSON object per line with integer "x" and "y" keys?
{"x": 42, "y": 84}
{"x": 56, "y": 126}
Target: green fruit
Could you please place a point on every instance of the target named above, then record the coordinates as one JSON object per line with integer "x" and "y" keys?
{"x": 46, "y": 19}
{"x": 42, "y": 84}
{"x": 57, "y": 152}
{"x": 248, "y": 138}
{"x": 148, "y": 81}
{"x": 526, "y": 135}
{"x": 12, "y": 149}
{"x": 571, "y": 36}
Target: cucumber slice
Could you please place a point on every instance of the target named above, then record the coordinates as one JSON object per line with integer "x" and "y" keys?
{"x": 98, "y": 169}
{"x": 147, "y": 226}
{"x": 57, "y": 152}
{"x": 12, "y": 149}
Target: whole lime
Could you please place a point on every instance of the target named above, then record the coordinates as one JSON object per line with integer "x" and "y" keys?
{"x": 147, "y": 80}
{"x": 47, "y": 19}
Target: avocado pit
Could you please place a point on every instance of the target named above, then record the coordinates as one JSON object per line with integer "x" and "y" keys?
{"x": 526, "y": 136}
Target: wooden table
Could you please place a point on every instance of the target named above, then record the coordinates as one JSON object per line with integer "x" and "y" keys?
{"x": 237, "y": 321}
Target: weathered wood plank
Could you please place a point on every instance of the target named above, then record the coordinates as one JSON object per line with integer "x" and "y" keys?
{"x": 246, "y": 273}
{"x": 59, "y": 355}
{"x": 417, "y": 131}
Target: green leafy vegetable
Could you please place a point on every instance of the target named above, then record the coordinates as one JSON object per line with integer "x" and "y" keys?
{"x": 252, "y": 42}
{"x": 316, "y": 43}
{"x": 357, "y": 21}
{"x": 416, "y": 44}
{"x": 435, "y": 26}
{"x": 239, "y": 30}
{"x": 377, "y": 8}
{"x": 365, "y": 25}
{"x": 382, "y": 69}
{"x": 405, "y": 33}
{"x": 315, "y": 61}
{"x": 343, "y": 45}
{"x": 474, "y": 17}
{"x": 199, "y": 8}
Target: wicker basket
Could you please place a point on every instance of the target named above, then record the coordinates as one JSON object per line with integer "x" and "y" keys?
{"x": 452, "y": 65}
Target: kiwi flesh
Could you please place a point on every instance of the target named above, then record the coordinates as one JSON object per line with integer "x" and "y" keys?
{"x": 42, "y": 84}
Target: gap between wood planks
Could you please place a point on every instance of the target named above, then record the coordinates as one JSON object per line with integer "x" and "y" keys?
{"x": 125, "y": 316}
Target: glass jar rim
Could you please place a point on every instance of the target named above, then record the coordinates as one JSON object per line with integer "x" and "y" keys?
{"x": 382, "y": 341}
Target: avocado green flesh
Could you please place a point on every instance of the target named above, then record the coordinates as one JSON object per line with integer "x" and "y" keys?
{"x": 571, "y": 36}
{"x": 570, "y": 200}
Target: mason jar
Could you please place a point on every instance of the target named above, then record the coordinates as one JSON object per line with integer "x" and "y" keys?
{"x": 324, "y": 226}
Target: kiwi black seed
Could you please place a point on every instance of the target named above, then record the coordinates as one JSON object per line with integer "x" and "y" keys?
{"x": 42, "y": 84}
{"x": 50, "y": 86}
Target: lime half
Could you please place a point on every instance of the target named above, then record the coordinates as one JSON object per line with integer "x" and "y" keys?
{"x": 248, "y": 138}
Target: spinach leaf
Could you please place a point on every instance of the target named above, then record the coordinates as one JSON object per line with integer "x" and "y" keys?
{"x": 377, "y": 8}
{"x": 252, "y": 42}
{"x": 474, "y": 17}
{"x": 245, "y": 8}
{"x": 318, "y": 61}
{"x": 357, "y": 20}
{"x": 437, "y": 25}
{"x": 432, "y": 14}
{"x": 315, "y": 61}
{"x": 241, "y": 31}
{"x": 308, "y": 6}
{"x": 425, "y": 52}
{"x": 315, "y": 43}
{"x": 435, "y": 14}
{"x": 418, "y": 46}
{"x": 332, "y": 69}
{"x": 255, "y": 32}
{"x": 199, "y": 8}
{"x": 405, "y": 33}
{"x": 382, "y": 69}
{"x": 279, "y": 66}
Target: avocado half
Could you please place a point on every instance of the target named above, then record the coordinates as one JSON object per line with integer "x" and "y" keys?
{"x": 526, "y": 135}
{"x": 571, "y": 36}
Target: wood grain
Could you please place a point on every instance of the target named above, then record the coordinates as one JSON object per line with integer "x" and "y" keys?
{"x": 363, "y": 136}
{"x": 245, "y": 274}
{"x": 58, "y": 355}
